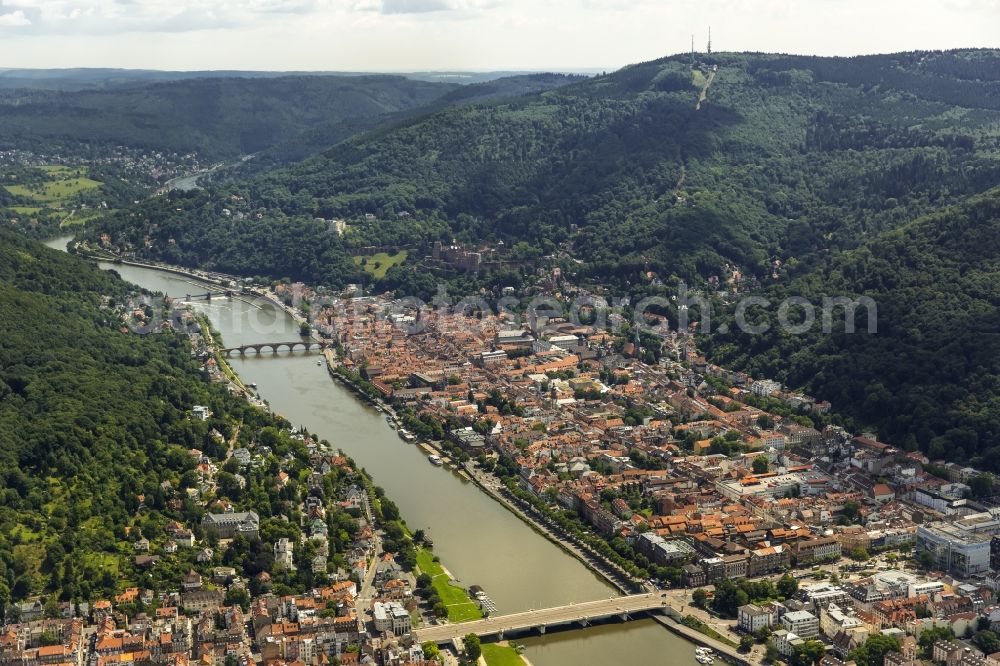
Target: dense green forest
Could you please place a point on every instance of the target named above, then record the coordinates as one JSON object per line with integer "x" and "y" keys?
{"x": 284, "y": 118}
{"x": 95, "y": 434}
{"x": 788, "y": 156}
{"x": 298, "y": 248}
{"x": 93, "y": 78}
{"x": 331, "y": 132}
{"x": 217, "y": 118}
{"x": 929, "y": 379}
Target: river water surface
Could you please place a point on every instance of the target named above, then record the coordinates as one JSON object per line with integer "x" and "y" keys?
{"x": 478, "y": 540}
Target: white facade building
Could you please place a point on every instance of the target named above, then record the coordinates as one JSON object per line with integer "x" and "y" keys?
{"x": 801, "y": 623}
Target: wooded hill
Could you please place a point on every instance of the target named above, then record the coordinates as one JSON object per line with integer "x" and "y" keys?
{"x": 222, "y": 117}
{"x": 95, "y": 440}
{"x": 218, "y": 118}
{"x": 929, "y": 379}
{"x": 789, "y": 156}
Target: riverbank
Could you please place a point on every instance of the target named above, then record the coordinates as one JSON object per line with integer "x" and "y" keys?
{"x": 502, "y": 654}
{"x": 218, "y": 279}
{"x": 213, "y": 341}
{"x": 721, "y": 649}
{"x": 480, "y": 540}
{"x": 461, "y": 607}
{"x": 492, "y": 487}
{"x": 221, "y": 280}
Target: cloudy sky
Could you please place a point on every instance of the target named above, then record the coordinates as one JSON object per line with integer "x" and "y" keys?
{"x": 409, "y": 35}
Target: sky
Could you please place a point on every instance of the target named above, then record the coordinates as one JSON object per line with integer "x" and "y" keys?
{"x": 422, "y": 35}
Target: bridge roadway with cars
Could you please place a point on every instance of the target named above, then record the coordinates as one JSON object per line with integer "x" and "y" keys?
{"x": 582, "y": 614}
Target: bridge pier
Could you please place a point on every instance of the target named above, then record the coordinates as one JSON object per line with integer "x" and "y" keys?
{"x": 541, "y": 629}
{"x": 584, "y": 622}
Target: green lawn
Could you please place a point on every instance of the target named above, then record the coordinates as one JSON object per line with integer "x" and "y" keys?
{"x": 460, "y": 607}
{"x": 500, "y": 655}
{"x": 102, "y": 561}
{"x": 379, "y": 264}
{"x": 81, "y": 218}
{"x": 62, "y": 171}
{"x": 54, "y": 191}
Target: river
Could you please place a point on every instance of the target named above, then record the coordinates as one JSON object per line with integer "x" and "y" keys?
{"x": 479, "y": 541}
{"x": 185, "y": 183}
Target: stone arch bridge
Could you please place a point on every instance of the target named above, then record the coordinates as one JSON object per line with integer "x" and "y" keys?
{"x": 275, "y": 347}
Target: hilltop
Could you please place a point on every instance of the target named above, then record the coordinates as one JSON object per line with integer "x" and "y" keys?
{"x": 788, "y": 157}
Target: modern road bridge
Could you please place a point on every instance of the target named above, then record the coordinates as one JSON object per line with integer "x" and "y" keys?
{"x": 582, "y": 614}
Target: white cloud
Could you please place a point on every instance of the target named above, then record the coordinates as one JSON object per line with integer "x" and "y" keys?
{"x": 116, "y": 16}
{"x": 413, "y": 6}
{"x": 454, "y": 7}
{"x": 15, "y": 19}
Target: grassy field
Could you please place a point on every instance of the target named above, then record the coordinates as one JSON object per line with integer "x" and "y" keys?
{"x": 500, "y": 655}
{"x": 103, "y": 562}
{"x": 57, "y": 199}
{"x": 80, "y": 219}
{"x": 62, "y": 171}
{"x": 379, "y": 264}
{"x": 54, "y": 191}
{"x": 62, "y": 215}
{"x": 460, "y": 607}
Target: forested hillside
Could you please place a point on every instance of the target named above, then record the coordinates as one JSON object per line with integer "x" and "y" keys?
{"x": 331, "y": 132}
{"x": 95, "y": 433}
{"x": 930, "y": 377}
{"x": 787, "y": 157}
{"x": 216, "y": 117}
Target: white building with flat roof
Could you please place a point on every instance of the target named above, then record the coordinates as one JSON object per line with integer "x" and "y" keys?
{"x": 391, "y": 617}
{"x": 808, "y": 481}
{"x": 801, "y": 623}
{"x": 962, "y": 552}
